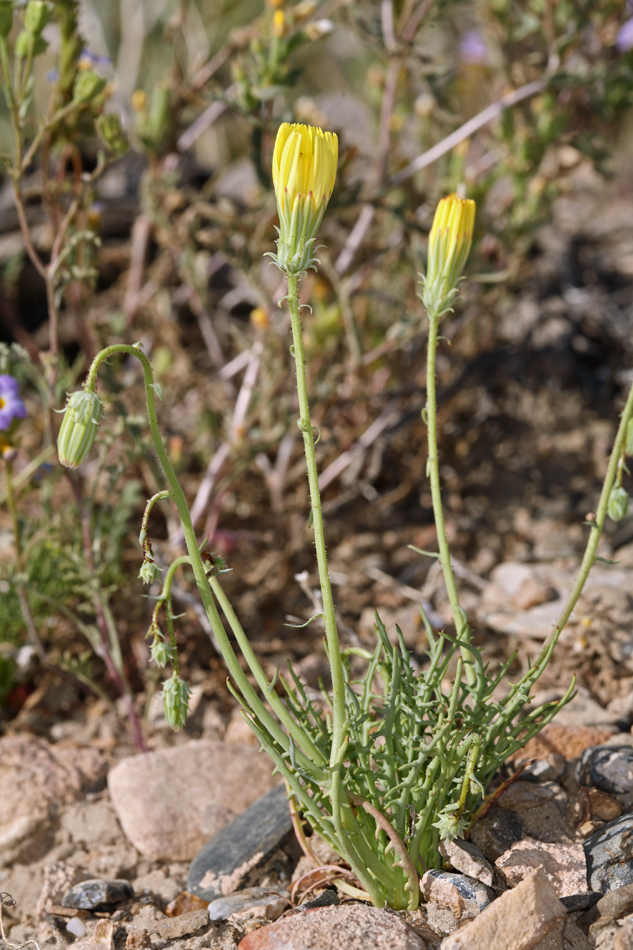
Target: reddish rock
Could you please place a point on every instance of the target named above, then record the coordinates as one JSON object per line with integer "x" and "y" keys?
{"x": 568, "y": 741}
{"x": 350, "y": 927}
{"x": 169, "y": 803}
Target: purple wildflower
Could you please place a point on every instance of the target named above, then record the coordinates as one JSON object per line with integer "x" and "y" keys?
{"x": 11, "y": 406}
{"x": 624, "y": 39}
{"x": 473, "y": 49}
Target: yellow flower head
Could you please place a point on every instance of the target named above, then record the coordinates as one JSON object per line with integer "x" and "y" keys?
{"x": 449, "y": 245}
{"x": 304, "y": 171}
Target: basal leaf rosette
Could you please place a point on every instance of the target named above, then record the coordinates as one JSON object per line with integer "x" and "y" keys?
{"x": 449, "y": 246}
{"x": 304, "y": 172}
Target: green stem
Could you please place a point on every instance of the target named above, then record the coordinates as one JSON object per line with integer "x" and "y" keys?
{"x": 329, "y": 615}
{"x": 239, "y": 676}
{"x": 338, "y": 797}
{"x": 461, "y": 626}
{"x": 591, "y": 551}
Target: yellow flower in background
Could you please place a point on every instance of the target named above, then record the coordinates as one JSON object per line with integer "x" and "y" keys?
{"x": 304, "y": 172}
{"x": 449, "y": 246}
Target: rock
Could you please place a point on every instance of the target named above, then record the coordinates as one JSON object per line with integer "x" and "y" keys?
{"x": 568, "y": 741}
{"x": 223, "y": 863}
{"x": 602, "y": 933}
{"x": 327, "y": 898}
{"x": 608, "y": 768}
{"x": 36, "y": 780}
{"x": 609, "y": 853}
{"x": 349, "y": 927}
{"x": 159, "y": 884}
{"x": 183, "y": 903}
{"x": 537, "y": 810}
{"x": 624, "y": 937}
{"x": 101, "y": 938}
{"x": 98, "y": 895}
{"x": 92, "y": 823}
{"x": 170, "y": 802}
{"x": 548, "y": 769}
{"x": 584, "y": 901}
{"x": 258, "y": 901}
{"x": 468, "y": 859}
{"x": 59, "y": 878}
{"x": 462, "y": 895}
{"x": 617, "y": 903}
{"x": 496, "y": 831}
{"x": 182, "y": 926}
{"x": 76, "y": 927}
{"x": 517, "y": 920}
{"x": 564, "y": 865}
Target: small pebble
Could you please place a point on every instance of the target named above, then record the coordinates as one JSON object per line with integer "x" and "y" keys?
{"x": 609, "y": 853}
{"x": 609, "y": 768}
{"x": 617, "y": 903}
{"x": 75, "y": 926}
{"x": 97, "y": 895}
{"x": 327, "y": 898}
{"x": 496, "y": 831}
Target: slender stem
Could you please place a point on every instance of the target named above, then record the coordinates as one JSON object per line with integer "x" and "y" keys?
{"x": 461, "y": 627}
{"x": 338, "y": 797}
{"x": 237, "y": 673}
{"x": 591, "y": 551}
{"x": 329, "y": 616}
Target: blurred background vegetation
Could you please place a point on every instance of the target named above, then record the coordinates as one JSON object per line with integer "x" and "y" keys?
{"x": 525, "y": 106}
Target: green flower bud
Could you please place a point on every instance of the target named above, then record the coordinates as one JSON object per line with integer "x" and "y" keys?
{"x": 79, "y": 428}
{"x": 6, "y": 18}
{"x": 618, "y": 504}
{"x": 175, "y": 701}
{"x": 37, "y": 15}
{"x": 149, "y": 572}
{"x": 111, "y": 133}
{"x": 162, "y": 653}
{"x": 88, "y": 85}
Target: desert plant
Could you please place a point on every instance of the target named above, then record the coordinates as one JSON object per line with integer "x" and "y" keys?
{"x": 392, "y": 761}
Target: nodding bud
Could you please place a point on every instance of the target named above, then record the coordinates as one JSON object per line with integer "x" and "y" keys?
{"x": 618, "y": 504}
{"x": 150, "y": 571}
{"x": 79, "y": 428}
{"x": 175, "y": 701}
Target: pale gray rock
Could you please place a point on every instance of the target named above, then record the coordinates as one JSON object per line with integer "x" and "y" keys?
{"x": 467, "y": 858}
{"x": 564, "y": 865}
{"x": 98, "y": 895}
{"x": 608, "y": 768}
{"x": 624, "y": 936}
{"x": 258, "y": 901}
{"x": 170, "y": 802}
{"x": 609, "y": 853}
{"x": 518, "y": 920}
{"x": 462, "y": 895}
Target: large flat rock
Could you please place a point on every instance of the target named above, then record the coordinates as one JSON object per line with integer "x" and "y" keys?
{"x": 169, "y": 803}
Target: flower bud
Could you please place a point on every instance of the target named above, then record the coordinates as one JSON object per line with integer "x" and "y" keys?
{"x": 304, "y": 171}
{"x": 26, "y": 41}
{"x": 88, "y": 85}
{"x": 618, "y": 503}
{"x": 149, "y": 572}
{"x": 36, "y": 17}
{"x": 6, "y": 18}
{"x": 111, "y": 133}
{"x": 279, "y": 23}
{"x": 161, "y": 653}
{"x": 175, "y": 701}
{"x": 79, "y": 428}
{"x": 449, "y": 245}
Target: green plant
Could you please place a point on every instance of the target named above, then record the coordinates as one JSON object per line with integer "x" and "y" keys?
{"x": 391, "y": 761}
